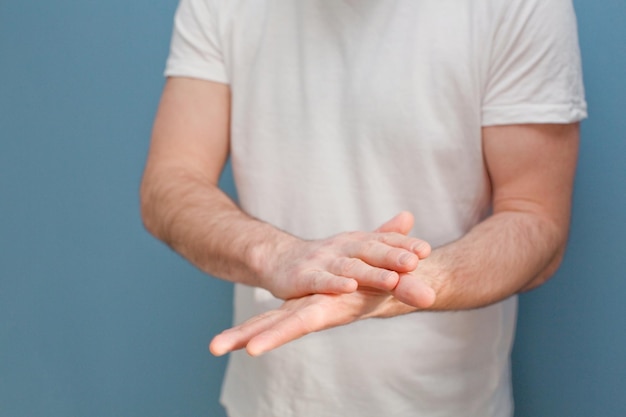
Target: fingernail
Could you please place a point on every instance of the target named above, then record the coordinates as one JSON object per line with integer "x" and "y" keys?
{"x": 405, "y": 258}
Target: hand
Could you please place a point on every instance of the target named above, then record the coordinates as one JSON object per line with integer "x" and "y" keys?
{"x": 312, "y": 313}
{"x": 345, "y": 262}
{"x": 378, "y": 294}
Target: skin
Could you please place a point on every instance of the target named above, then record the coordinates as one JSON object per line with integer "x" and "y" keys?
{"x": 354, "y": 275}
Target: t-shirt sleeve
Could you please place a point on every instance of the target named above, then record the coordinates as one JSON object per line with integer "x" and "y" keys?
{"x": 535, "y": 73}
{"x": 195, "y": 47}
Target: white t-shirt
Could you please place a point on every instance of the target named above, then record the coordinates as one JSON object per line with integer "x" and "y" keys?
{"x": 343, "y": 114}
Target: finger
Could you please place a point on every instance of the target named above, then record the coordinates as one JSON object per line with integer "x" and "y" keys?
{"x": 365, "y": 274}
{"x": 414, "y": 292}
{"x": 401, "y": 223}
{"x": 295, "y": 325}
{"x": 417, "y": 246}
{"x": 381, "y": 255}
{"x": 324, "y": 282}
{"x": 238, "y": 337}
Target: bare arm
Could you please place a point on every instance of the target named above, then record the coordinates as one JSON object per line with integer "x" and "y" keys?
{"x": 183, "y": 206}
{"x": 180, "y": 201}
{"x": 521, "y": 245}
{"x": 517, "y": 248}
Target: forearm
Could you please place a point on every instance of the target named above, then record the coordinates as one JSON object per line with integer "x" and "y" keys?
{"x": 531, "y": 168}
{"x": 200, "y": 222}
{"x": 507, "y": 253}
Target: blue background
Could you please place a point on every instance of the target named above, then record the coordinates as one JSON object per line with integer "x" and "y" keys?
{"x": 99, "y": 319}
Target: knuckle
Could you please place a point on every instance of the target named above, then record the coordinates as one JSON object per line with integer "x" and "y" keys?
{"x": 315, "y": 257}
{"x": 369, "y": 247}
{"x": 393, "y": 253}
{"x": 327, "y": 245}
{"x": 386, "y": 276}
{"x": 421, "y": 246}
{"x": 382, "y": 238}
{"x": 316, "y": 283}
{"x": 336, "y": 244}
{"x": 391, "y": 280}
{"x": 349, "y": 265}
{"x": 299, "y": 272}
{"x": 355, "y": 235}
{"x": 389, "y": 238}
{"x": 300, "y": 285}
{"x": 384, "y": 279}
{"x": 305, "y": 324}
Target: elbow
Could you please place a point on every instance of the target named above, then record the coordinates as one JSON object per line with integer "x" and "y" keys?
{"x": 147, "y": 207}
{"x": 545, "y": 275}
{"x": 555, "y": 255}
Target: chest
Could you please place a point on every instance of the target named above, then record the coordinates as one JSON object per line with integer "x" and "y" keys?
{"x": 368, "y": 72}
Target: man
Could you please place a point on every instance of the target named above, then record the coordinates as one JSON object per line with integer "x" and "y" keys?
{"x": 356, "y": 129}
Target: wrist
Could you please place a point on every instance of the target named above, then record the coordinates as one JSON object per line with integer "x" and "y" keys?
{"x": 267, "y": 254}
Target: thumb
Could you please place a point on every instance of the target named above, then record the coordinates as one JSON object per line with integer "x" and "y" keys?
{"x": 400, "y": 223}
{"x": 414, "y": 292}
